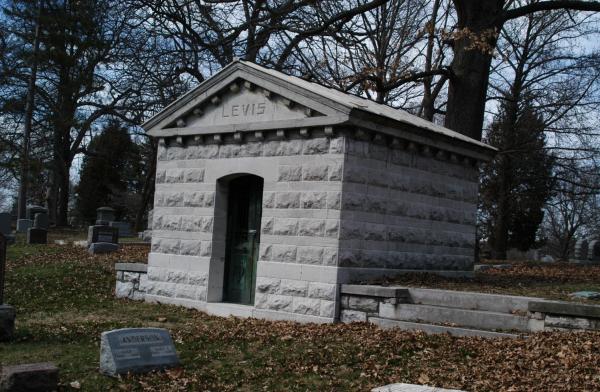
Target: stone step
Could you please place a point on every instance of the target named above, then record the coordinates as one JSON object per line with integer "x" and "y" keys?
{"x": 471, "y": 300}
{"x": 445, "y": 315}
{"x": 438, "y": 329}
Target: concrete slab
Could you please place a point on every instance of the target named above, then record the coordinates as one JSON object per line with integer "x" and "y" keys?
{"x": 438, "y": 329}
{"x": 565, "y": 308}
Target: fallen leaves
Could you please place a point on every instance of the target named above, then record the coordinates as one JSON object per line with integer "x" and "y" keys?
{"x": 231, "y": 354}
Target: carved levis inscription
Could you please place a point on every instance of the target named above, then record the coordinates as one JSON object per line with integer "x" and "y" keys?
{"x": 244, "y": 110}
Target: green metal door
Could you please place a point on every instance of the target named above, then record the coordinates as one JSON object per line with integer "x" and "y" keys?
{"x": 244, "y": 209}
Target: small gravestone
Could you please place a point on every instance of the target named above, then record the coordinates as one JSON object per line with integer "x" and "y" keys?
{"x": 7, "y": 313}
{"x": 40, "y": 221}
{"x": 31, "y": 377}
{"x": 38, "y": 234}
{"x": 23, "y": 225}
{"x": 104, "y": 215}
{"x": 102, "y": 233}
{"x": 581, "y": 249}
{"x": 123, "y": 227}
{"x": 136, "y": 350}
{"x": 102, "y": 247}
{"x": 594, "y": 250}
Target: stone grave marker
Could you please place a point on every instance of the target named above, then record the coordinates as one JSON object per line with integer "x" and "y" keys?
{"x": 38, "y": 234}
{"x": 594, "y": 251}
{"x": 102, "y": 233}
{"x": 581, "y": 249}
{"x": 124, "y": 228}
{"x": 23, "y": 225}
{"x": 40, "y": 221}
{"x": 104, "y": 215}
{"x": 30, "y": 377}
{"x": 7, "y": 313}
{"x": 136, "y": 350}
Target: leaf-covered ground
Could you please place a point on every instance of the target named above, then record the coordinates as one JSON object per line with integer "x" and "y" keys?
{"x": 64, "y": 301}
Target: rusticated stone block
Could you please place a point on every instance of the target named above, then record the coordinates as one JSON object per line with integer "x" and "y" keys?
{"x": 330, "y": 256}
{"x": 268, "y": 285}
{"x": 315, "y": 172}
{"x": 207, "y": 151}
{"x": 311, "y": 227}
{"x": 287, "y": 200}
{"x": 352, "y": 316}
{"x": 290, "y": 173}
{"x": 327, "y": 309}
{"x": 174, "y": 176}
{"x": 314, "y": 200}
{"x": 322, "y": 290}
{"x": 306, "y": 306}
{"x": 284, "y": 226}
{"x": 296, "y": 288}
{"x": 336, "y": 172}
{"x": 332, "y": 228}
{"x": 363, "y": 304}
{"x": 193, "y": 175}
{"x": 334, "y": 200}
{"x": 190, "y": 247}
{"x": 284, "y": 253}
{"x": 316, "y": 146}
{"x": 336, "y": 145}
{"x": 309, "y": 255}
{"x": 274, "y": 302}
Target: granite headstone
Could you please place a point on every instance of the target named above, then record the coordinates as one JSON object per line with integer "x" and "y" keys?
{"x": 23, "y": 225}
{"x": 37, "y": 236}
{"x": 136, "y": 350}
{"x": 102, "y": 233}
{"x": 124, "y": 228}
{"x": 104, "y": 215}
{"x": 40, "y": 221}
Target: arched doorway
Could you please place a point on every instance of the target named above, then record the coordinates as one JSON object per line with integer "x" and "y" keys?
{"x": 244, "y": 210}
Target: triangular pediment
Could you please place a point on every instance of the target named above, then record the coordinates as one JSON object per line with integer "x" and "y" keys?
{"x": 243, "y": 103}
{"x": 239, "y": 99}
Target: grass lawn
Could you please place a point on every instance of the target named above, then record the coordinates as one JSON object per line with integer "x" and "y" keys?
{"x": 64, "y": 300}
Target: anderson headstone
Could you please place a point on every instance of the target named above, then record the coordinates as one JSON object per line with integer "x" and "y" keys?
{"x": 136, "y": 350}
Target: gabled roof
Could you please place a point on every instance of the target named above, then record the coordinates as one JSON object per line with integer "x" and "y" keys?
{"x": 294, "y": 103}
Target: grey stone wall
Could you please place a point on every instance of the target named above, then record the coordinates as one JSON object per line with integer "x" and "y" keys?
{"x": 336, "y": 209}
{"x": 406, "y": 209}
{"x": 132, "y": 281}
{"x": 300, "y": 220}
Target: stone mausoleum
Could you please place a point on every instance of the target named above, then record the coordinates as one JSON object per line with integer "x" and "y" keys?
{"x": 271, "y": 191}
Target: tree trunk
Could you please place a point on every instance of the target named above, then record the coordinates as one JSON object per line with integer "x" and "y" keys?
{"x": 63, "y": 196}
{"x": 478, "y": 25}
{"x": 29, "y": 104}
{"x": 148, "y": 191}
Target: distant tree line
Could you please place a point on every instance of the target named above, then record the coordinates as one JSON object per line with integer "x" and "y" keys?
{"x": 77, "y": 75}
